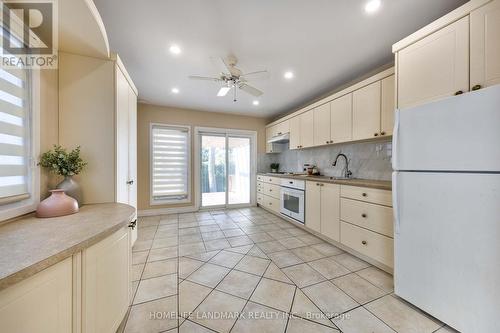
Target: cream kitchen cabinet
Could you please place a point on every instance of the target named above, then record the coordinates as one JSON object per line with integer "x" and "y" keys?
{"x": 106, "y": 280}
{"x": 388, "y": 106}
{"x": 42, "y": 303}
{"x": 98, "y": 111}
{"x": 302, "y": 130}
{"x": 322, "y": 125}
{"x": 434, "y": 67}
{"x": 366, "y": 108}
{"x": 485, "y": 46}
{"x": 323, "y": 209}
{"x": 341, "y": 119}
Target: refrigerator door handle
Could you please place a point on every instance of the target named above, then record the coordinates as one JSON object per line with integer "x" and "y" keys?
{"x": 395, "y": 202}
{"x": 395, "y": 139}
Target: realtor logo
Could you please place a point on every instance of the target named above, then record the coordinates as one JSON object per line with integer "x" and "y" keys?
{"x": 29, "y": 36}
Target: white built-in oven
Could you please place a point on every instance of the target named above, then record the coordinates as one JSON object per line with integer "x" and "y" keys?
{"x": 293, "y": 199}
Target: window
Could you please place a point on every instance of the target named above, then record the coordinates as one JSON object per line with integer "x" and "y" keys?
{"x": 170, "y": 168}
{"x": 18, "y": 147}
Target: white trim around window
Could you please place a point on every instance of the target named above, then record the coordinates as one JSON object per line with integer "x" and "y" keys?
{"x": 154, "y": 200}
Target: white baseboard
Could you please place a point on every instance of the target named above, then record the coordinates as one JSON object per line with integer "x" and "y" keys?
{"x": 165, "y": 211}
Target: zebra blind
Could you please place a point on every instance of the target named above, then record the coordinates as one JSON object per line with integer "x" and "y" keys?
{"x": 170, "y": 162}
{"x": 14, "y": 135}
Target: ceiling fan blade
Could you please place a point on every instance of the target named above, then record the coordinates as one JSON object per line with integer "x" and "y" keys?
{"x": 223, "y": 91}
{"x": 204, "y": 78}
{"x": 230, "y": 66}
{"x": 256, "y": 75}
{"x": 250, "y": 90}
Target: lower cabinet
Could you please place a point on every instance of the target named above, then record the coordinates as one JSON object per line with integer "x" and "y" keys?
{"x": 323, "y": 209}
{"x": 42, "y": 303}
{"x": 106, "y": 283}
{"x": 89, "y": 292}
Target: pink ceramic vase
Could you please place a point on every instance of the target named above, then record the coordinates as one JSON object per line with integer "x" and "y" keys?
{"x": 58, "y": 204}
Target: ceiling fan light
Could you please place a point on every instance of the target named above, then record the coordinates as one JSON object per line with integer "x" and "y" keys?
{"x": 223, "y": 91}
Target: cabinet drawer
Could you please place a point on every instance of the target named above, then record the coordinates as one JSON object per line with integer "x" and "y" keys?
{"x": 370, "y": 216}
{"x": 271, "y": 203}
{"x": 373, "y": 245}
{"x": 376, "y": 196}
{"x": 270, "y": 180}
{"x": 272, "y": 190}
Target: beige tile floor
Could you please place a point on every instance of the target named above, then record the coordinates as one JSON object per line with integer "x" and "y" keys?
{"x": 247, "y": 270}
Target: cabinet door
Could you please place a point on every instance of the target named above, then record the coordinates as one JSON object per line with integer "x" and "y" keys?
{"x": 330, "y": 211}
{"x": 106, "y": 284}
{"x": 388, "y": 106}
{"x": 307, "y": 129}
{"x": 321, "y": 131}
{"x": 313, "y": 206}
{"x": 132, "y": 155}
{"x": 269, "y": 146}
{"x": 42, "y": 303}
{"x": 341, "y": 119}
{"x": 485, "y": 45}
{"x": 283, "y": 127}
{"x": 366, "y": 112}
{"x": 295, "y": 133}
{"x": 434, "y": 67}
{"x": 122, "y": 137}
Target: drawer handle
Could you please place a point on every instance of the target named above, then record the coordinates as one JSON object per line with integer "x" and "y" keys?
{"x": 476, "y": 87}
{"x": 364, "y": 242}
{"x": 375, "y": 134}
{"x": 270, "y": 190}
{"x": 382, "y": 133}
{"x": 460, "y": 92}
{"x": 364, "y": 194}
{"x": 290, "y": 182}
{"x": 133, "y": 224}
{"x": 363, "y": 215}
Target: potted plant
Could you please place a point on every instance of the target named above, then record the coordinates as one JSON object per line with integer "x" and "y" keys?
{"x": 275, "y": 167}
{"x": 67, "y": 164}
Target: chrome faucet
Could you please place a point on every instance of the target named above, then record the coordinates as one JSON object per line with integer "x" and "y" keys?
{"x": 347, "y": 172}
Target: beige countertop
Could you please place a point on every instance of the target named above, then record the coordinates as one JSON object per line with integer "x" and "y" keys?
{"x": 29, "y": 244}
{"x": 378, "y": 184}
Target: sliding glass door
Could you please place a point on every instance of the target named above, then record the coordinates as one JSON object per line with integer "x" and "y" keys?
{"x": 225, "y": 169}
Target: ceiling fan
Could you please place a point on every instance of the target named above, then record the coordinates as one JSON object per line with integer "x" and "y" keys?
{"x": 234, "y": 79}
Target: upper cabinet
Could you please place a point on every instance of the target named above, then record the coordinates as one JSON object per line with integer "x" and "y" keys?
{"x": 485, "y": 45}
{"x": 459, "y": 52}
{"x": 435, "y": 67}
{"x": 366, "y": 112}
{"x": 362, "y": 111}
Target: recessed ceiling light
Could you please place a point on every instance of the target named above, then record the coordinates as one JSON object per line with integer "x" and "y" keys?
{"x": 175, "y": 90}
{"x": 255, "y": 103}
{"x": 372, "y": 6}
{"x": 288, "y": 75}
{"x": 175, "y": 49}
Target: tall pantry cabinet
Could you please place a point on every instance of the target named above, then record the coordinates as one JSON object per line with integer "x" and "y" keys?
{"x": 98, "y": 111}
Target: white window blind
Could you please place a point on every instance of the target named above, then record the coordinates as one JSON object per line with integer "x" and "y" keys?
{"x": 170, "y": 163}
{"x": 15, "y": 135}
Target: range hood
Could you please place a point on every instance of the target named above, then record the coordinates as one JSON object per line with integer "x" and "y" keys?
{"x": 283, "y": 138}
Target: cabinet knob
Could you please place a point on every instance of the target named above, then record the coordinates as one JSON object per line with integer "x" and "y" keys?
{"x": 460, "y": 92}
{"x": 132, "y": 224}
{"x": 476, "y": 87}
{"x": 364, "y": 194}
{"x": 328, "y": 142}
{"x": 130, "y": 182}
{"x": 363, "y": 215}
{"x": 364, "y": 242}
{"x": 382, "y": 133}
{"x": 376, "y": 134}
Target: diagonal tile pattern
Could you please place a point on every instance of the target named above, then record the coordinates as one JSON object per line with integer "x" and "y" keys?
{"x": 246, "y": 270}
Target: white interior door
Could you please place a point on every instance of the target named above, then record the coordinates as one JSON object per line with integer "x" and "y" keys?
{"x": 226, "y": 168}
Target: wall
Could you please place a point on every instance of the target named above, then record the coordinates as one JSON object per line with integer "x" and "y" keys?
{"x": 147, "y": 114}
{"x": 369, "y": 160}
{"x": 49, "y": 132}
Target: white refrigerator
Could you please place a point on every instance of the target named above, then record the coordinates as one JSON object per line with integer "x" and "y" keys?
{"x": 446, "y": 198}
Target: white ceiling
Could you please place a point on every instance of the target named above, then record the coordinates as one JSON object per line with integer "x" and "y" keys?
{"x": 326, "y": 43}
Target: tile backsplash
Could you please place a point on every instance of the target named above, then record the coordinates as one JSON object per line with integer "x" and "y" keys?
{"x": 368, "y": 160}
